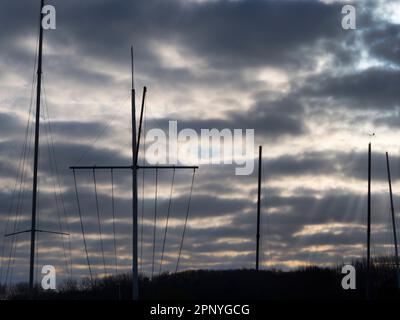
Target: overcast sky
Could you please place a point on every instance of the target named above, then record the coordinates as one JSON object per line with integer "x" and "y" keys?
{"x": 313, "y": 92}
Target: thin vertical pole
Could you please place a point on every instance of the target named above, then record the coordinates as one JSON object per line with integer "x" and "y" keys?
{"x": 369, "y": 226}
{"x": 259, "y": 206}
{"x": 140, "y": 124}
{"x": 135, "y": 276}
{"x": 393, "y": 216}
{"x": 36, "y": 153}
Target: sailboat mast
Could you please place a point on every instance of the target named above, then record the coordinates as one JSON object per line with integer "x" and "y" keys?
{"x": 135, "y": 276}
{"x": 36, "y": 152}
{"x": 368, "y": 285}
{"x": 259, "y": 207}
{"x": 393, "y": 215}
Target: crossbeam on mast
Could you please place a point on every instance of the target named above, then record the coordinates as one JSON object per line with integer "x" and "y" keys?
{"x": 131, "y": 167}
{"x": 37, "y": 230}
{"x": 169, "y": 167}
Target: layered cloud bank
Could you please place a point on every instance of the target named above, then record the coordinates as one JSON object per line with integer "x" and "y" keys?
{"x": 314, "y": 94}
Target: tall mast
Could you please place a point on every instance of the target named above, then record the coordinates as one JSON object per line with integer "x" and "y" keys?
{"x": 393, "y": 216}
{"x": 368, "y": 291}
{"x": 135, "y": 277}
{"x": 134, "y": 168}
{"x": 259, "y": 207}
{"x": 36, "y": 152}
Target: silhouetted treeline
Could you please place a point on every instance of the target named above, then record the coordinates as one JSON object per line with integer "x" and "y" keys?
{"x": 304, "y": 283}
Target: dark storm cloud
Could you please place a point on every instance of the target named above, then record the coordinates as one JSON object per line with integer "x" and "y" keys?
{"x": 66, "y": 155}
{"x": 391, "y": 120}
{"x": 351, "y": 164}
{"x": 9, "y": 124}
{"x": 70, "y": 129}
{"x": 76, "y": 73}
{"x": 271, "y": 120}
{"x": 228, "y": 34}
{"x": 383, "y": 42}
{"x": 328, "y": 163}
{"x": 306, "y": 164}
{"x": 374, "y": 88}
{"x": 17, "y": 17}
{"x": 283, "y": 225}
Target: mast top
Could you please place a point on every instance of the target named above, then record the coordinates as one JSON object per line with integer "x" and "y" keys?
{"x": 133, "y": 69}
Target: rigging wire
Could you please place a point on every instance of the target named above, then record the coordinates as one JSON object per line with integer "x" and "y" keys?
{"x": 391, "y": 229}
{"x": 58, "y": 181}
{"x": 20, "y": 204}
{"x": 143, "y": 187}
{"x": 20, "y": 179}
{"x": 21, "y": 169}
{"x": 3, "y": 247}
{"x": 18, "y": 183}
{"x": 21, "y": 195}
{"x": 167, "y": 220}
{"x": 142, "y": 224}
{"x": 155, "y": 225}
{"x": 36, "y": 266}
{"x": 266, "y": 217}
{"x": 82, "y": 228}
{"x": 54, "y": 172}
{"x": 100, "y": 134}
{"x": 99, "y": 221}
{"x": 113, "y": 220}
{"x": 13, "y": 247}
{"x": 186, "y": 220}
{"x": 388, "y": 239}
{"x": 25, "y": 153}
{"x": 10, "y": 269}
